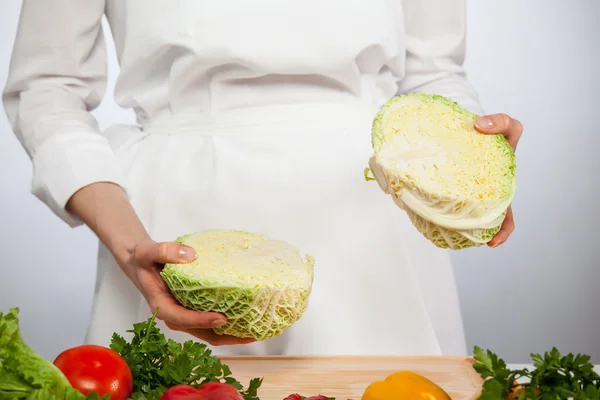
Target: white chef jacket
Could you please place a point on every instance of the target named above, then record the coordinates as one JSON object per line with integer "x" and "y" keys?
{"x": 210, "y": 58}
{"x": 232, "y": 53}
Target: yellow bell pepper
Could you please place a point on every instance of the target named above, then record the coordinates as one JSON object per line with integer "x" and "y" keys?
{"x": 405, "y": 385}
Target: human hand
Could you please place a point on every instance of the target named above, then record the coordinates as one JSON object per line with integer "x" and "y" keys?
{"x": 512, "y": 130}
{"x": 148, "y": 259}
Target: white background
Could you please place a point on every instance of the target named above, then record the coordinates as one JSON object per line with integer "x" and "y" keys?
{"x": 536, "y": 60}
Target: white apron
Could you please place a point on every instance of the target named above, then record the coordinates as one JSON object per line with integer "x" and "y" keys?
{"x": 293, "y": 173}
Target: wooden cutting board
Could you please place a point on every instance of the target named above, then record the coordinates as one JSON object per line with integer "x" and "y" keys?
{"x": 347, "y": 377}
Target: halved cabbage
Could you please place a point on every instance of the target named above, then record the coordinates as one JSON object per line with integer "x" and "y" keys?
{"x": 261, "y": 285}
{"x": 454, "y": 182}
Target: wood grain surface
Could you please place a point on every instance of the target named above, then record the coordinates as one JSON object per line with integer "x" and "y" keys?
{"x": 347, "y": 377}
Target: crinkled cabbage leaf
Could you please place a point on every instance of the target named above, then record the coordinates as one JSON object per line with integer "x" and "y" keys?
{"x": 261, "y": 285}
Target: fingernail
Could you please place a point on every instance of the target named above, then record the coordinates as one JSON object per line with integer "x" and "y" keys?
{"x": 187, "y": 253}
{"x": 495, "y": 245}
{"x": 218, "y": 322}
{"x": 484, "y": 123}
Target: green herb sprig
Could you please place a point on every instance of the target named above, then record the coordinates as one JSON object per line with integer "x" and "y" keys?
{"x": 158, "y": 364}
{"x": 554, "y": 377}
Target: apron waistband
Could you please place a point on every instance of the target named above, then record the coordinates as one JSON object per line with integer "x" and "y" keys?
{"x": 316, "y": 118}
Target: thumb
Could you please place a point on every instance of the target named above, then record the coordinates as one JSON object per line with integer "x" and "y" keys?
{"x": 494, "y": 123}
{"x": 164, "y": 252}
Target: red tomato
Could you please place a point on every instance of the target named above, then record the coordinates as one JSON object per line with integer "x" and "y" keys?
{"x": 91, "y": 368}
{"x": 182, "y": 392}
{"x": 219, "y": 391}
{"x": 208, "y": 391}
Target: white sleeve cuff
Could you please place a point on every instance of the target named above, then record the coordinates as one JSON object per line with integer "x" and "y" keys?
{"x": 66, "y": 163}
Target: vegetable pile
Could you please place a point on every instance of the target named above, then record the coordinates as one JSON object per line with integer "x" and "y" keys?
{"x": 261, "y": 285}
{"x": 149, "y": 367}
{"x": 454, "y": 183}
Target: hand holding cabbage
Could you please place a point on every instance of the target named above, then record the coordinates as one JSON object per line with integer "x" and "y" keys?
{"x": 149, "y": 257}
{"x": 455, "y": 183}
{"x": 106, "y": 210}
{"x": 512, "y": 130}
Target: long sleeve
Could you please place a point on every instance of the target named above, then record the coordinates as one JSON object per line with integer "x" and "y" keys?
{"x": 57, "y": 76}
{"x": 435, "y": 51}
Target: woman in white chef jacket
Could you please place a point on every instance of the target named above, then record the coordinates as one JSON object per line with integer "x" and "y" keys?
{"x": 251, "y": 115}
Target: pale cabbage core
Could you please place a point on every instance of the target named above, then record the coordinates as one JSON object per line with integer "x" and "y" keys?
{"x": 440, "y": 149}
{"x": 433, "y": 149}
{"x": 244, "y": 259}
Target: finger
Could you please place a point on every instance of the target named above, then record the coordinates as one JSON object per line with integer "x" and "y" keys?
{"x": 508, "y": 226}
{"x": 169, "y": 310}
{"x": 493, "y": 123}
{"x": 212, "y": 338}
{"x": 501, "y": 124}
{"x": 515, "y": 132}
{"x": 219, "y": 340}
{"x": 164, "y": 252}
